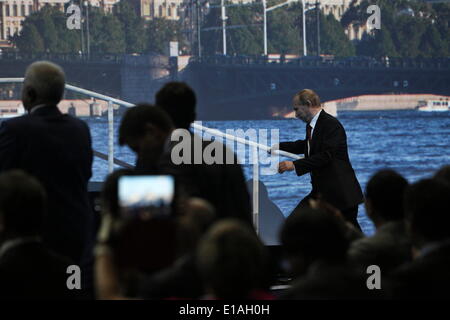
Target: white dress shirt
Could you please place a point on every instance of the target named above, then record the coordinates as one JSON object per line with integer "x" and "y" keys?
{"x": 312, "y": 123}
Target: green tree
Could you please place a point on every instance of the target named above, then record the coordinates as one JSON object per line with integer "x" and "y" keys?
{"x": 379, "y": 45}
{"x": 108, "y": 35}
{"x": 49, "y": 34}
{"x": 284, "y": 30}
{"x": 133, "y": 26}
{"x": 333, "y": 38}
{"x": 425, "y": 32}
{"x": 431, "y": 44}
{"x": 407, "y": 36}
{"x": 69, "y": 41}
{"x": 29, "y": 41}
{"x": 160, "y": 32}
{"x": 247, "y": 38}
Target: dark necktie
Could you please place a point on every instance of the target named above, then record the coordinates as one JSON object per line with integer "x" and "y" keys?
{"x": 308, "y": 132}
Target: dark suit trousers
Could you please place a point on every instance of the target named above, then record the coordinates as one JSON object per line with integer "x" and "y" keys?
{"x": 350, "y": 214}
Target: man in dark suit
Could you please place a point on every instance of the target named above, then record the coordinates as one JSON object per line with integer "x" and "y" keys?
{"x": 56, "y": 149}
{"x": 28, "y": 270}
{"x": 326, "y": 157}
{"x": 148, "y": 131}
{"x": 221, "y": 183}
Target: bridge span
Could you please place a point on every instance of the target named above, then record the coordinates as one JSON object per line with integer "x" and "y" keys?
{"x": 236, "y": 88}
{"x": 244, "y": 87}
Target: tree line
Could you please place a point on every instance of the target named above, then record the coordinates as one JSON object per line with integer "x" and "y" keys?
{"x": 123, "y": 31}
{"x": 408, "y": 29}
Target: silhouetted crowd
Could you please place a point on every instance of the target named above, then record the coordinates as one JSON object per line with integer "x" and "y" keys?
{"x": 53, "y": 244}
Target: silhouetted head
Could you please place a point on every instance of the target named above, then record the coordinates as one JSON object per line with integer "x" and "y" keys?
{"x": 44, "y": 84}
{"x": 232, "y": 260}
{"x": 144, "y": 127}
{"x": 313, "y": 235}
{"x": 22, "y": 205}
{"x": 198, "y": 215}
{"x": 306, "y": 104}
{"x": 179, "y": 101}
{"x": 384, "y": 197}
{"x": 427, "y": 210}
{"x": 443, "y": 174}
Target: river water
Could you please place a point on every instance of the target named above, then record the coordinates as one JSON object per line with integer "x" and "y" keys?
{"x": 414, "y": 143}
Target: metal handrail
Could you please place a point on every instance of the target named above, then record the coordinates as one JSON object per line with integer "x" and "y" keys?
{"x": 110, "y": 156}
{"x": 197, "y": 126}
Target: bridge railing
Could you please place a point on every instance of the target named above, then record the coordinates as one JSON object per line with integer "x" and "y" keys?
{"x": 327, "y": 62}
{"x": 63, "y": 57}
{"x": 250, "y": 60}
{"x": 255, "y": 147}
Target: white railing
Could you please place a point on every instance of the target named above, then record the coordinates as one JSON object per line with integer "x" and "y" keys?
{"x": 214, "y": 132}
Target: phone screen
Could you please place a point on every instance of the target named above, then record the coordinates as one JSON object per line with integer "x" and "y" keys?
{"x": 145, "y": 197}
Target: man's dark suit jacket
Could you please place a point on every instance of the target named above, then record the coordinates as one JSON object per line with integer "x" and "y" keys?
{"x": 332, "y": 175}
{"x": 56, "y": 149}
{"x": 223, "y": 185}
{"x": 30, "y": 271}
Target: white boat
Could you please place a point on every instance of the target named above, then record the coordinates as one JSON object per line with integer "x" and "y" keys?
{"x": 11, "y": 112}
{"x": 434, "y": 105}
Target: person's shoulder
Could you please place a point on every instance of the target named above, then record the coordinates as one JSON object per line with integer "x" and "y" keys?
{"x": 330, "y": 122}
{"x": 17, "y": 121}
{"x": 325, "y": 116}
{"x": 16, "y": 126}
{"x": 424, "y": 265}
{"x": 362, "y": 247}
{"x": 69, "y": 117}
{"x": 80, "y": 123}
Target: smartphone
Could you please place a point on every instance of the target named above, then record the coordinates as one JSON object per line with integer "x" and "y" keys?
{"x": 146, "y": 197}
{"x": 147, "y": 239}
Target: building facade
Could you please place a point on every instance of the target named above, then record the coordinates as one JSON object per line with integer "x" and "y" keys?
{"x": 13, "y": 12}
{"x": 354, "y": 31}
{"x": 335, "y": 7}
{"x": 168, "y": 9}
{"x": 173, "y": 9}
{"x": 105, "y": 5}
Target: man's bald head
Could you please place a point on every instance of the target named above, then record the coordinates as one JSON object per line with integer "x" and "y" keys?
{"x": 44, "y": 84}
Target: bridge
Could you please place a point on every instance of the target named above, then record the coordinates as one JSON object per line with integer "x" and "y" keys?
{"x": 251, "y": 88}
{"x": 129, "y": 77}
{"x": 245, "y": 87}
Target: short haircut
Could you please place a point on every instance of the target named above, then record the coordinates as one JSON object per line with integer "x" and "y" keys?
{"x": 385, "y": 190}
{"x": 136, "y": 118}
{"x": 307, "y": 97}
{"x": 179, "y": 101}
{"x": 47, "y": 80}
{"x": 232, "y": 260}
{"x": 443, "y": 174}
{"x": 22, "y": 203}
{"x": 314, "y": 235}
{"x": 427, "y": 209}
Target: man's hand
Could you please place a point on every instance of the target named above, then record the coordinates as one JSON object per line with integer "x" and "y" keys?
{"x": 285, "y": 166}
